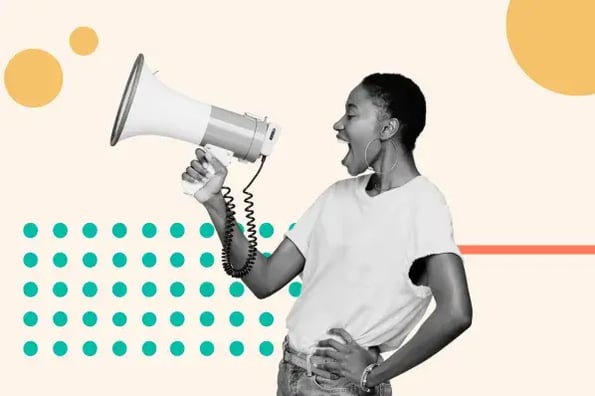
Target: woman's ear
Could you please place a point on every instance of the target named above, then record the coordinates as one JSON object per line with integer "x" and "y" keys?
{"x": 390, "y": 129}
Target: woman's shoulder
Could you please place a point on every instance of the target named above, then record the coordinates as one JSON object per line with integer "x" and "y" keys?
{"x": 349, "y": 183}
{"x": 429, "y": 192}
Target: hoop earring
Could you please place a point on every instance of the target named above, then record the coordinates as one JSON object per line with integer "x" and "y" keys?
{"x": 366, "y": 156}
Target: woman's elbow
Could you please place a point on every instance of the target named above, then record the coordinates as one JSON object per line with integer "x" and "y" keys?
{"x": 461, "y": 317}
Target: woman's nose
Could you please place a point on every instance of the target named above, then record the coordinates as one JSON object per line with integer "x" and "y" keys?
{"x": 337, "y": 126}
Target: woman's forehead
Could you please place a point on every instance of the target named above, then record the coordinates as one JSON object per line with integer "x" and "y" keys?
{"x": 360, "y": 98}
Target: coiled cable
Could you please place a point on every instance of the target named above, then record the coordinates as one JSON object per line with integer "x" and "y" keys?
{"x": 230, "y": 224}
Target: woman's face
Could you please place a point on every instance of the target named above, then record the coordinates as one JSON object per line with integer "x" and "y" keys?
{"x": 358, "y": 126}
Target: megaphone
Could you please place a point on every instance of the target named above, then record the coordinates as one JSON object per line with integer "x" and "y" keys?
{"x": 148, "y": 107}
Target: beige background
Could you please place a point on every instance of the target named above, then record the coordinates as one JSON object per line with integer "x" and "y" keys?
{"x": 511, "y": 157}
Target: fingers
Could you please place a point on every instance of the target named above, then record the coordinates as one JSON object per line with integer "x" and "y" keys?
{"x": 328, "y": 353}
{"x": 200, "y": 167}
{"x": 343, "y": 334}
{"x": 191, "y": 179}
{"x": 206, "y": 158}
{"x": 200, "y": 153}
{"x": 333, "y": 367}
{"x": 329, "y": 342}
{"x": 214, "y": 161}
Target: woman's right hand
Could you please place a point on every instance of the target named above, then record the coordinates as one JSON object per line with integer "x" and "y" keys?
{"x": 212, "y": 176}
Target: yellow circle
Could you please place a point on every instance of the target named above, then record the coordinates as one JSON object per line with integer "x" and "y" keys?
{"x": 83, "y": 40}
{"x": 33, "y": 78}
{"x": 552, "y": 40}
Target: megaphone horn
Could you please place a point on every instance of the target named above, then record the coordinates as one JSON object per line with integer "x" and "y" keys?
{"x": 148, "y": 107}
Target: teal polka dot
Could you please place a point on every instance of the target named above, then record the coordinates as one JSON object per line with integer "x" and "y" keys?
{"x": 207, "y": 318}
{"x": 266, "y": 254}
{"x": 149, "y": 319}
{"x": 89, "y": 230}
{"x": 60, "y": 260}
{"x": 90, "y": 260}
{"x": 266, "y": 230}
{"x": 149, "y": 230}
{"x": 236, "y": 348}
{"x": 207, "y": 259}
{"x": 90, "y": 289}
{"x": 177, "y": 260}
{"x": 119, "y": 230}
{"x": 30, "y": 318}
{"x": 30, "y": 348}
{"x": 119, "y": 289}
{"x": 60, "y": 230}
{"x": 207, "y": 289}
{"x": 207, "y": 230}
{"x": 266, "y": 348}
{"x": 177, "y": 348}
{"x": 60, "y": 289}
{"x": 291, "y": 226}
{"x": 119, "y": 260}
{"x": 149, "y": 260}
{"x": 89, "y": 348}
{"x": 30, "y": 260}
{"x": 207, "y": 348}
{"x": 177, "y": 319}
{"x": 119, "y": 319}
{"x": 149, "y": 289}
{"x": 60, "y": 319}
{"x": 176, "y": 230}
{"x": 30, "y": 289}
{"x": 266, "y": 319}
{"x": 119, "y": 348}
{"x": 241, "y": 227}
{"x": 60, "y": 348}
{"x": 90, "y": 318}
{"x": 149, "y": 348}
{"x": 236, "y": 289}
{"x": 177, "y": 289}
{"x": 30, "y": 230}
{"x": 236, "y": 318}
{"x": 295, "y": 289}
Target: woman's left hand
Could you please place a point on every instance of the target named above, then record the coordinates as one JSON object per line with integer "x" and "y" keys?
{"x": 350, "y": 358}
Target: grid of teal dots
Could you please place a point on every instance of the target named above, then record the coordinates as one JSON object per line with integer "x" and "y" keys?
{"x": 149, "y": 289}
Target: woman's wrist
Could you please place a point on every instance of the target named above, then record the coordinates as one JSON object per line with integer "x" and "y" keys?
{"x": 214, "y": 202}
{"x": 365, "y": 383}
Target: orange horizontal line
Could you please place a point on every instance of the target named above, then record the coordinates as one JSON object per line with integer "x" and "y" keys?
{"x": 527, "y": 249}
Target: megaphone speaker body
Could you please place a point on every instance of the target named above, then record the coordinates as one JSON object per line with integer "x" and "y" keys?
{"x": 148, "y": 107}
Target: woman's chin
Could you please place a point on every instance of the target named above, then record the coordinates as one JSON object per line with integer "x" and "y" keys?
{"x": 352, "y": 169}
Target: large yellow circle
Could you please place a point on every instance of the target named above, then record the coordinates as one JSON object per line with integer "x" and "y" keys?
{"x": 83, "y": 40}
{"x": 552, "y": 40}
{"x": 33, "y": 78}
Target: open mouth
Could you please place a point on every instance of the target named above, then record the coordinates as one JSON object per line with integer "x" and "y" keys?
{"x": 342, "y": 140}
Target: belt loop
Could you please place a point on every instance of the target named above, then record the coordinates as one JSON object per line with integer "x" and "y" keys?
{"x": 309, "y": 365}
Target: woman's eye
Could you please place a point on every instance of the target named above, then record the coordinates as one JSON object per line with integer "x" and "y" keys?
{"x": 349, "y": 116}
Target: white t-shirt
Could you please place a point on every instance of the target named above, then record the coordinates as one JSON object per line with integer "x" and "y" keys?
{"x": 358, "y": 251}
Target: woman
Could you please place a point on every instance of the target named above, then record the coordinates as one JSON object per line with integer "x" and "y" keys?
{"x": 372, "y": 250}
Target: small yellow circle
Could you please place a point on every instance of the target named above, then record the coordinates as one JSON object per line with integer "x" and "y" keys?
{"x": 83, "y": 40}
{"x": 33, "y": 78}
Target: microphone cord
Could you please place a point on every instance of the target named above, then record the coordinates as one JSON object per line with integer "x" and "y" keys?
{"x": 230, "y": 224}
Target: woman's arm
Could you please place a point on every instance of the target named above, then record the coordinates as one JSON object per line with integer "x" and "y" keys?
{"x": 268, "y": 275}
{"x": 452, "y": 316}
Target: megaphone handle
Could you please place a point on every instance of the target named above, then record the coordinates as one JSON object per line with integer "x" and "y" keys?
{"x": 224, "y": 156}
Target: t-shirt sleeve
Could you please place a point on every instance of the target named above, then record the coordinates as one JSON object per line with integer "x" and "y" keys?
{"x": 302, "y": 229}
{"x": 433, "y": 228}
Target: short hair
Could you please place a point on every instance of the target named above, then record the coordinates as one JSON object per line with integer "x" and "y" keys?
{"x": 398, "y": 96}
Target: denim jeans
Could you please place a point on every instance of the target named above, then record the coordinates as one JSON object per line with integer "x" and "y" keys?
{"x": 293, "y": 380}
